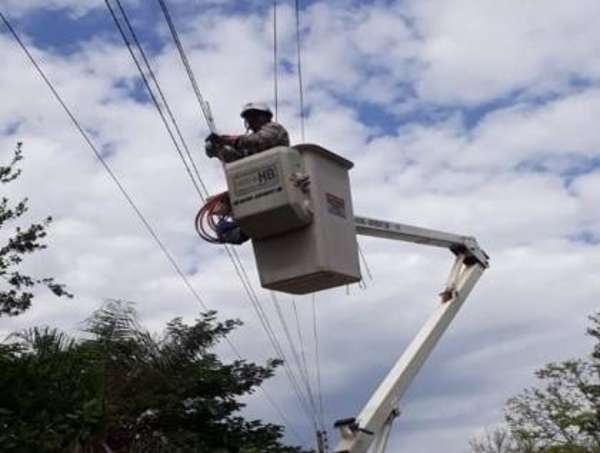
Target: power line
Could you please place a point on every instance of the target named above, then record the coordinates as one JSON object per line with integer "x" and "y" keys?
{"x": 153, "y": 96}
{"x": 299, "y": 67}
{"x": 303, "y": 136}
{"x": 264, "y": 320}
{"x": 130, "y": 201}
{"x": 238, "y": 265}
{"x": 275, "y": 61}
{"x": 301, "y": 342}
{"x": 317, "y": 358}
{"x": 364, "y": 262}
{"x": 296, "y": 356}
{"x": 112, "y": 175}
{"x": 204, "y": 106}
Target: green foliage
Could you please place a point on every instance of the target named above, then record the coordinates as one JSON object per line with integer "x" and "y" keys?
{"x": 562, "y": 415}
{"x": 121, "y": 389}
{"x": 16, "y": 295}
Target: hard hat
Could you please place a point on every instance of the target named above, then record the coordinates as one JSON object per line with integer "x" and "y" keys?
{"x": 256, "y": 107}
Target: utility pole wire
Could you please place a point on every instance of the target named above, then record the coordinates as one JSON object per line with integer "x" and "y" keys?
{"x": 275, "y": 61}
{"x": 296, "y": 356}
{"x": 238, "y": 265}
{"x": 98, "y": 155}
{"x": 203, "y": 104}
{"x": 317, "y": 358}
{"x": 153, "y": 96}
{"x": 130, "y": 201}
{"x": 303, "y": 357}
{"x": 299, "y": 66}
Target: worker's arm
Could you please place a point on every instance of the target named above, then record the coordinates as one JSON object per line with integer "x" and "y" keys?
{"x": 269, "y": 136}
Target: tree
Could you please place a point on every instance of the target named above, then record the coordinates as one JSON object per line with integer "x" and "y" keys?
{"x": 560, "y": 416}
{"x": 125, "y": 390}
{"x": 497, "y": 440}
{"x": 16, "y": 295}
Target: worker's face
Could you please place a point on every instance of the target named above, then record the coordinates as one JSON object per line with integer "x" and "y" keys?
{"x": 256, "y": 119}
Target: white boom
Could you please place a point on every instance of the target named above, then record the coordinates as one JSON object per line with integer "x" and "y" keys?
{"x": 373, "y": 425}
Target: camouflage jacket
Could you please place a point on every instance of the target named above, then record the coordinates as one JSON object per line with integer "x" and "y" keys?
{"x": 268, "y": 136}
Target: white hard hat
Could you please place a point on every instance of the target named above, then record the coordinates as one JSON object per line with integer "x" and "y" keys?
{"x": 256, "y": 107}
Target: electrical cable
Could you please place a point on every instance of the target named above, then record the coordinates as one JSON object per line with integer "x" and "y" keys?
{"x": 317, "y": 359}
{"x": 238, "y": 265}
{"x": 216, "y": 210}
{"x": 101, "y": 159}
{"x": 301, "y": 343}
{"x": 129, "y": 199}
{"x": 317, "y": 405}
{"x": 303, "y": 136}
{"x": 364, "y": 262}
{"x": 275, "y": 61}
{"x": 204, "y": 106}
{"x": 296, "y": 356}
{"x": 299, "y": 67}
{"x": 153, "y": 96}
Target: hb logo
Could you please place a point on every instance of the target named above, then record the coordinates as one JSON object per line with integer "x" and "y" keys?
{"x": 267, "y": 175}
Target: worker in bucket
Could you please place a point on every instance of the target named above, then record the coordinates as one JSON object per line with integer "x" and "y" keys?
{"x": 262, "y": 134}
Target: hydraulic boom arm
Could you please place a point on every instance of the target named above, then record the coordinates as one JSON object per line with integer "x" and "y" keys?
{"x": 373, "y": 425}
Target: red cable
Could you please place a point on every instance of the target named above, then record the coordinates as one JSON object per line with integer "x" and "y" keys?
{"x": 216, "y": 209}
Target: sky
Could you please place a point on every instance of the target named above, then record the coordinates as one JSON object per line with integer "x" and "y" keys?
{"x": 475, "y": 117}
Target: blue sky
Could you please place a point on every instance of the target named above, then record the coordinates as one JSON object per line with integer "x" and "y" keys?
{"x": 475, "y": 117}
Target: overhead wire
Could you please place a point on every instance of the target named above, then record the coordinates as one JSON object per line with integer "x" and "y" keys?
{"x": 301, "y": 343}
{"x": 238, "y": 265}
{"x": 297, "y": 358}
{"x": 300, "y": 364}
{"x": 363, "y": 258}
{"x": 128, "y": 198}
{"x": 275, "y": 61}
{"x": 204, "y": 105}
{"x": 299, "y": 70}
{"x": 314, "y": 400}
{"x": 197, "y": 182}
{"x": 103, "y": 162}
{"x": 240, "y": 270}
{"x": 317, "y": 358}
{"x": 322, "y": 435}
{"x": 303, "y": 136}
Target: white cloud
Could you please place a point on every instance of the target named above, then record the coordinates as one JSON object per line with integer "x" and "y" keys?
{"x": 476, "y": 51}
{"x": 520, "y": 179}
{"x": 76, "y": 8}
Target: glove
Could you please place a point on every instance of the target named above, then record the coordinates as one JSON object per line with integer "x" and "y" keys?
{"x": 215, "y": 138}
{"x": 212, "y": 144}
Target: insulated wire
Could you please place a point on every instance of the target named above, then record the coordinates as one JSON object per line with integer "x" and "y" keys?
{"x": 275, "y": 61}
{"x": 303, "y": 135}
{"x": 300, "y": 340}
{"x": 98, "y": 155}
{"x": 240, "y": 270}
{"x": 299, "y": 66}
{"x": 204, "y": 106}
{"x": 160, "y": 92}
{"x": 317, "y": 359}
{"x": 129, "y": 199}
{"x": 364, "y": 261}
{"x": 238, "y": 265}
{"x": 296, "y": 356}
{"x": 305, "y": 365}
{"x": 254, "y": 300}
